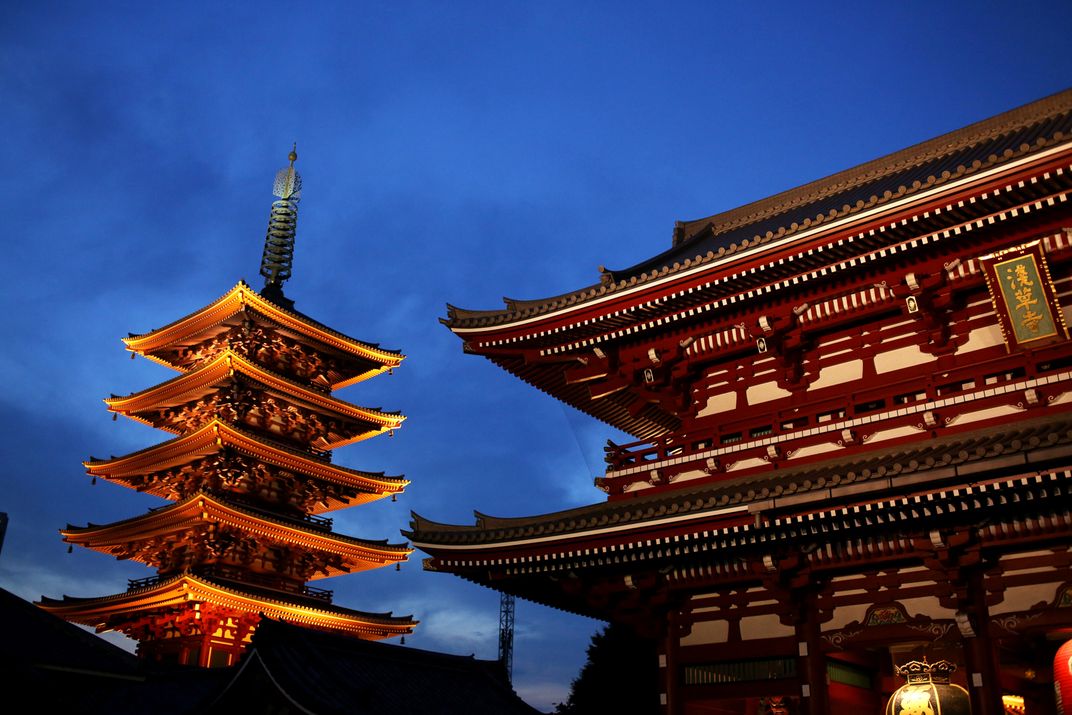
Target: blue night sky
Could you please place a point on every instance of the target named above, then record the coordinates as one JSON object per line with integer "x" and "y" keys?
{"x": 451, "y": 152}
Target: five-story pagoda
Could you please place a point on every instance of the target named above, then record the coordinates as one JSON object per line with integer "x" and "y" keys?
{"x": 249, "y": 473}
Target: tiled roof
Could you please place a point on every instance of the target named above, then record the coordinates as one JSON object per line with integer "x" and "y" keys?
{"x": 188, "y": 586}
{"x": 1010, "y": 447}
{"x": 325, "y": 674}
{"x": 202, "y": 506}
{"x": 979, "y": 147}
{"x": 62, "y": 668}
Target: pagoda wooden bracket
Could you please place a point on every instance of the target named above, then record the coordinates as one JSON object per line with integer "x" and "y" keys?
{"x": 783, "y": 338}
{"x": 931, "y": 302}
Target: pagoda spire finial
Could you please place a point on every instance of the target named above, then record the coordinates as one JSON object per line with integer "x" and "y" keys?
{"x": 278, "y": 254}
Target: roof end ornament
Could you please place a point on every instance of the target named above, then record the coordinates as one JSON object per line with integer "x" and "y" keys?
{"x": 278, "y": 257}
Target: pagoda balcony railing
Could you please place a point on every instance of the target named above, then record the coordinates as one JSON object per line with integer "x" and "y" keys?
{"x": 320, "y": 522}
{"x": 134, "y": 583}
{"x": 323, "y": 594}
{"x": 832, "y": 415}
{"x": 237, "y": 576}
{"x": 324, "y": 522}
{"x": 761, "y": 423}
{"x": 266, "y": 581}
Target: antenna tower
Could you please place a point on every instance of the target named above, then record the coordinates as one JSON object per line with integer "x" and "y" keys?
{"x": 506, "y": 633}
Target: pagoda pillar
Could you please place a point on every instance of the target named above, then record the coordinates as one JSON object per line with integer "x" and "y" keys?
{"x": 670, "y": 695}
{"x": 811, "y": 663}
{"x": 980, "y": 655}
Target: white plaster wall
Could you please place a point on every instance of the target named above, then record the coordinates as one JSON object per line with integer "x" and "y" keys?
{"x": 769, "y": 626}
{"x": 837, "y": 374}
{"x": 720, "y": 402}
{"x": 845, "y": 615}
{"x": 893, "y": 433}
{"x": 706, "y": 632}
{"x": 746, "y": 464}
{"x": 815, "y": 449}
{"x": 985, "y": 414}
{"x": 901, "y": 357}
{"x": 765, "y": 392}
{"x": 927, "y": 606}
{"x": 1022, "y": 598}
{"x": 985, "y": 337}
{"x": 686, "y": 476}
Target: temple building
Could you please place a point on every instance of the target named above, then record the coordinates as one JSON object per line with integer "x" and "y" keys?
{"x": 249, "y": 474}
{"x": 853, "y": 410}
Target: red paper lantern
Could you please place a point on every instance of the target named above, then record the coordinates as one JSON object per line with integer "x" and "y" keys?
{"x": 1062, "y": 678}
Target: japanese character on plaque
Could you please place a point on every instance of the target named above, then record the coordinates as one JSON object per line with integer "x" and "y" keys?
{"x": 1023, "y": 296}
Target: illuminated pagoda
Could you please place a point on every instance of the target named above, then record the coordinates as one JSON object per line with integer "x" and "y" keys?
{"x": 249, "y": 473}
{"x": 853, "y": 402}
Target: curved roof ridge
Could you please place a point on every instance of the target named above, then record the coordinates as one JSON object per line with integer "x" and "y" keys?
{"x": 968, "y": 447}
{"x": 225, "y": 364}
{"x": 964, "y": 137}
{"x": 198, "y": 580}
{"x": 250, "y": 512}
{"x": 208, "y": 427}
{"x": 920, "y": 167}
{"x": 241, "y": 289}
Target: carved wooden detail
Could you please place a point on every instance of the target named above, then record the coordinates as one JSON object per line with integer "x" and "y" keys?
{"x": 231, "y": 472}
{"x": 241, "y": 403}
{"x": 261, "y": 344}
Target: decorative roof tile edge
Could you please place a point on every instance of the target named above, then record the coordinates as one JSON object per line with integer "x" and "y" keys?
{"x": 519, "y": 309}
{"x": 812, "y": 482}
{"x": 984, "y": 130}
{"x": 225, "y": 505}
{"x": 241, "y": 288}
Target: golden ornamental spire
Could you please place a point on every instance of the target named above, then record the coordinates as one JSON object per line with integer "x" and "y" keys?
{"x": 282, "y": 226}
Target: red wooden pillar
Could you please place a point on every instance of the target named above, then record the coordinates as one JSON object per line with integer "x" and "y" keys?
{"x": 811, "y": 662}
{"x": 980, "y": 655}
{"x": 670, "y": 696}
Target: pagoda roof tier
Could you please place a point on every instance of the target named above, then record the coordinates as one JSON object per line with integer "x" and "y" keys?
{"x": 187, "y": 590}
{"x": 144, "y": 406}
{"x": 1024, "y": 445}
{"x": 215, "y": 436}
{"x": 847, "y": 198}
{"x": 116, "y": 538}
{"x": 219, "y": 316}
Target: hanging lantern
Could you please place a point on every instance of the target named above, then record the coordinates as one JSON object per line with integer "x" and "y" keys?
{"x": 1062, "y": 678}
{"x": 928, "y": 691}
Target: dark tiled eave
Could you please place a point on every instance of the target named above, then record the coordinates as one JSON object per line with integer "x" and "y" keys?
{"x": 1003, "y": 511}
{"x": 979, "y": 146}
{"x": 966, "y": 457}
{"x": 986, "y": 145}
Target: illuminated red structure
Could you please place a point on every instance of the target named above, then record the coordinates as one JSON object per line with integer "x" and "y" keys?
{"x": 249, "y": 472}
{"x": 852, "y": 402}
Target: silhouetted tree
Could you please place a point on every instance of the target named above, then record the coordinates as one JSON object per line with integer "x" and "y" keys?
{"x": 621, "y": 676}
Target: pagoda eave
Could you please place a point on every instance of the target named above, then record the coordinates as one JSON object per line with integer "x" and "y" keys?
{"x": 201, "y": 508}
{"x": 235, "y": 301}
{"x": 185, "y": 591}
{"x": 214, "y": 436}
{"x": 203, "y": 380}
